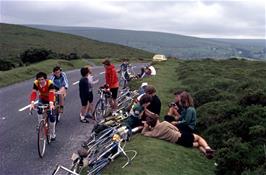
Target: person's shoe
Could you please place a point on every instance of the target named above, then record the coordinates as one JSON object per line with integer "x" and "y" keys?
{"x": 209, "y": 153}
{"x": 85, "y": 120}
{"x": 88, "y": 115}
{"x": 53, "y": 138}
{"x": 61, "y": 109}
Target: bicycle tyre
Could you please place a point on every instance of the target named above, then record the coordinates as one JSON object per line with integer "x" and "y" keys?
{"x": 75, "y": 167}
{"x": 98, "y": 111}
{"x": 42, "y": 139}
{"x": 98, "y": 166}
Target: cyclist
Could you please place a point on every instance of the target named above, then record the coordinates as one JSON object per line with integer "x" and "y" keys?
{"x": 124, "y": 69}
{"x": 46, "y": 91}
{"x": 112, "y": 80}
{"x": 60, "y": 82}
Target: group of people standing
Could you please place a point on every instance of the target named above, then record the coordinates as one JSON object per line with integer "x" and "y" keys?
{"x": 86, "y": 86}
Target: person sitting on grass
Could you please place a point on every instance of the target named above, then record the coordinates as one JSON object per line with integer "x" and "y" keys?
{"x": 155, "y": 104}
{"x": 187, "y": 121}
{"x": 166, "y": 131}
{"x": 175, "y": 109}
{"x": 136, "y": 113}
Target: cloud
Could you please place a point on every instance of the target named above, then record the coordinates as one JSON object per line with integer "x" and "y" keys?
{"x": 234, "y": 18}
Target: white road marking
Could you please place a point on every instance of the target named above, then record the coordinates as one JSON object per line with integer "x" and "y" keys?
{"x": 3, "y": 118}
{"x": 78, "y": 81}
{"x": 75, "y": 83}
{"x": 26, "y": 107}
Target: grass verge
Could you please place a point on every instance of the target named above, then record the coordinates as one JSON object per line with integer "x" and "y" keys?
{"x": 24, "y": 73}
{"x": 157, "y": 156}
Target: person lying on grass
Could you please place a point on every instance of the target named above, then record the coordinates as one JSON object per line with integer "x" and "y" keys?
{"x": 166, "y": 131}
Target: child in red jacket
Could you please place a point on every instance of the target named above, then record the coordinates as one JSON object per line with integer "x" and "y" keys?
{"x": 111, "y": 79}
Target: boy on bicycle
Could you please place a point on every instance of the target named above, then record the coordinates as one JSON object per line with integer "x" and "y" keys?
{"x": 46, "y": 91}
{"x": 60, "y": 82}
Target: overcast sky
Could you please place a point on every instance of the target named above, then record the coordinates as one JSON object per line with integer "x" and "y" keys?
{"x": 224, "y": 18}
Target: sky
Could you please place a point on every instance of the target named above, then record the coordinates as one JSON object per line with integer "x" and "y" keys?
{"x": 241, "y": 19}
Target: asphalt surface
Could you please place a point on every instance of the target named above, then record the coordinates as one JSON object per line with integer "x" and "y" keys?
{"x": 18, "y": 135}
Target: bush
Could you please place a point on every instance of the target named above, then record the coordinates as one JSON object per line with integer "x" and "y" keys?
{"x": 87, "y": 56}
{"x": 257, "y": 98}
{"x": 35, "y": 55}
{"x": 6, "y": 65}
{"x": 73, "y": 56}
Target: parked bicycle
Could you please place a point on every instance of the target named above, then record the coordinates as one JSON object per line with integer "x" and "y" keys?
{"x": 43, "y": 136}
{"x": 126, "y": 99}
{"x": 102, "y": 107}
{"x": 103, "y": 149}
{"x": 126, "y": 76}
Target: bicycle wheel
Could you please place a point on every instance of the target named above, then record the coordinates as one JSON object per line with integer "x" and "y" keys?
{"x": 57, "y": 115}
{"x": 124, "y": 105}
{"x": 42, "y": 138}
{"x": 76, "y": 166}
{"x": 98, "y": 112}
{"x": 97, "y": 166}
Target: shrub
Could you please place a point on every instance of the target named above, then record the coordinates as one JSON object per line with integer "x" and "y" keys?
{"x": 35, "y": 55}
{"x": 6, "y": 65}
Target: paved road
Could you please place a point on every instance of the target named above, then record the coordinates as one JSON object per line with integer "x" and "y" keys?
{"x": 18, "y": 137}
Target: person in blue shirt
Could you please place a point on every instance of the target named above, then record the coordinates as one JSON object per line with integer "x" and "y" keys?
{"x": 187, "y": 120}
{"x": 60, "y": 83}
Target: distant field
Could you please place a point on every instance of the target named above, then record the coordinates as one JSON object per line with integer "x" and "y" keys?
{"x": 15, "y": 39}
{"x": 171, "y": 44}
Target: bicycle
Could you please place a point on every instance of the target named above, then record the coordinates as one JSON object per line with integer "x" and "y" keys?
{"x": 102, "y": 151}
{"x": 126, "y": 76}
{"x": 43, "y": 129}
{"x": 126, "y": 99}
{"x": 102, "y": 107}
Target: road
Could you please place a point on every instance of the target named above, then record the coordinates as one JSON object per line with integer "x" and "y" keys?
{"x": 18, "y": 135}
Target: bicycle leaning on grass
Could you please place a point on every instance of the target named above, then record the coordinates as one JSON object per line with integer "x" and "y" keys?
{"x": 103, "y": 149}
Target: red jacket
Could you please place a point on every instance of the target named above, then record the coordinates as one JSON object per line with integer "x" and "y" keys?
{"x": 111, "y": 76}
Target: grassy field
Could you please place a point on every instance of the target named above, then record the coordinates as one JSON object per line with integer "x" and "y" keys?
{"x": 230, "y": 99}
{"x": 24, "y": 73}
{"x": 15, "y": 39}
{"x": 156, "y": 156}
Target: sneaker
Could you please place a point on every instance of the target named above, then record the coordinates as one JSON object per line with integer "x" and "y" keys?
{"x": 85, "y": 120}
{"x": 209, "y": 153}
{"x": 88, "y": 115}
{"x": 53, "y": 138}
{"x": 61, "y": 109}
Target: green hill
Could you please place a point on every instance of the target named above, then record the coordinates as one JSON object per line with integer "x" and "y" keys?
{"x": 230, "y": 99}
{"x": 15, "y": 39}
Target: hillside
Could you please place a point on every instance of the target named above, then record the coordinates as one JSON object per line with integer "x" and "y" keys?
{"x": 230, "y": 99}
{"x": 15, "y": 39}
{"x": 170, "y": 44}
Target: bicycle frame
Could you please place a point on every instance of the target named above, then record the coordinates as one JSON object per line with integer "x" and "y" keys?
{"x": 43, "y": 130}
{"x": 102, "y": 105}
{"x": 104, "y": 157}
